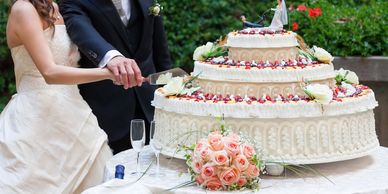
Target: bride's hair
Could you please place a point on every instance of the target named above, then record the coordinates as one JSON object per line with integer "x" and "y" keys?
{"x": 46, "y": 10}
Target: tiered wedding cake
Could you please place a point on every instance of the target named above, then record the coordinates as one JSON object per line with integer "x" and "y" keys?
{"x": 271, "y": 93}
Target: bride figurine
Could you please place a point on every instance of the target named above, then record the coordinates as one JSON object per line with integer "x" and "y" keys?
{"x": 279, "y": 19}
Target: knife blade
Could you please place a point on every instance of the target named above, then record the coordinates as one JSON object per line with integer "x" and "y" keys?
{"x": 162, "y": 77}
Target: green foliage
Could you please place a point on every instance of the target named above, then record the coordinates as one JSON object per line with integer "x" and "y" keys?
{"x": 3, "y": 23}
{"x": 345, "y": 29}
{"x": 190, "y": 24}
{"x": 7, "y": 84}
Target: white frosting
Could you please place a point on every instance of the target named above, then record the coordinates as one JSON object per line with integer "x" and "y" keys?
{"x": 297, "y": 140}
{"x": 262, "y": 41}
{"x": 309, "y": 73}
{"x": 294, "y": 109}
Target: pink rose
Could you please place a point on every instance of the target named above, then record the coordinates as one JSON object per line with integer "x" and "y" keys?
{"x": 248, "y": 151}
{"x": 215, "y": 142}
{"x": 201, "y": 144}
{"x": 229, "y": 175}
{"x": 199, "y": 180}
{"x": 241, "y": 162}
{"x": 231, "y": 146}
{"x": 214, "y": 184}
{"x": 234, "y": 136}
{"x": 252, "y": 171}
{"x": 197, "y": 166}
{"x": 242, "y": 181}
{"x": 206, "y": 154}
{"x": 208, "y": 171}
{"x": 220, "y": 157}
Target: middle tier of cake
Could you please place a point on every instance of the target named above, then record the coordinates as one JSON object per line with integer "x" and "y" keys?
{"x": 245, "y": 80}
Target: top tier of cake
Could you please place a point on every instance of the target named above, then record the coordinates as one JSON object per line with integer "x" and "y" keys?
{"x": 261, "y": 38}
{"x": 262, "y": 44}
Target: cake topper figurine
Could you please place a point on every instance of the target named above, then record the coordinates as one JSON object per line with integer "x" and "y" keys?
{"x": 279, "y": 19}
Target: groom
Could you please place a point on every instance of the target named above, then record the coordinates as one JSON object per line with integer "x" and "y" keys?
{"x": 123, "y": 36}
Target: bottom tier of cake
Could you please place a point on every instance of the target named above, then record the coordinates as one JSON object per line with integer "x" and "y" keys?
{"x": 295, "y": 140}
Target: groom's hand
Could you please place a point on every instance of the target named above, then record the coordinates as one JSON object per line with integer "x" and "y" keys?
{"x": 126, "y": 71}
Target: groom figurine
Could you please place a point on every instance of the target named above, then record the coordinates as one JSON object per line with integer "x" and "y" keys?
{"x": 129, "y": 40}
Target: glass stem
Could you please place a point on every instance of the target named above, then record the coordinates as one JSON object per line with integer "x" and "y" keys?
{"x": 137, "y": 163}
{"x": 157, "y": 164}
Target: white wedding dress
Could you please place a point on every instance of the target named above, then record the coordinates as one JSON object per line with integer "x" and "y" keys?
{"x": 50, "y": 141}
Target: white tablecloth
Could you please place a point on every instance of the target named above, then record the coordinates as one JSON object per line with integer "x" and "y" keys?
{"x": 367, "y": 175}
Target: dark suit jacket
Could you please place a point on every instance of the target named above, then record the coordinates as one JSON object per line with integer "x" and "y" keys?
{"x": 95, "y": 27}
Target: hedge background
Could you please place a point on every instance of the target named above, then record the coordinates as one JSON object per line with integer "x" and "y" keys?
{"x": 345, "y": 28}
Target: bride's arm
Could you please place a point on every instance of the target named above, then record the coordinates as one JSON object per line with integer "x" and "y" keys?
{"x": 28, "y": 28}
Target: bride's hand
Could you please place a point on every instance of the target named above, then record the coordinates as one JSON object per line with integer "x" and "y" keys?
{"x": 111, "y": 76}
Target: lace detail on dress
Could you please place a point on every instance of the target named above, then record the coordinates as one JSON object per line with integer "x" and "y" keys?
{"x": 64, "y": 53}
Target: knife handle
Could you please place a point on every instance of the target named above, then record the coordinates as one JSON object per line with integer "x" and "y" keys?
{"x": 146, "y": 79}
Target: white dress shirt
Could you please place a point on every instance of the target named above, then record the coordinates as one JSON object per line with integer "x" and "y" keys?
{"x": 125, "y": 14}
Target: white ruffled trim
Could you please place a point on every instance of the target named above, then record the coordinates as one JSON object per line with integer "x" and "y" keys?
{"x": 267, "y": 110}
{"x": 309, "y": 73}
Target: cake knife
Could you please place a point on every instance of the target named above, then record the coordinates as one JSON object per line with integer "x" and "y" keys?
{"x": 153, "y": 79}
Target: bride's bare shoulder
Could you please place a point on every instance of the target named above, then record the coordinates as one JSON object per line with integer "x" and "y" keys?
{"x": 22, "y": 9}
{"x": 22, "y": 13}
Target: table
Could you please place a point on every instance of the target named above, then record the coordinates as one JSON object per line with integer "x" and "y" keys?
{"x": 366, "y": 175}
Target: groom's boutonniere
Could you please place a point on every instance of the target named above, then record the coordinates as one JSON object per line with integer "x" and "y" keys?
{"x": 155, "y": 8}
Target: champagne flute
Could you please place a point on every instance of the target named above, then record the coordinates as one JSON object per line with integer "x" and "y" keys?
{"x": 156, "y": 146}
{"x": 137, "y": 133}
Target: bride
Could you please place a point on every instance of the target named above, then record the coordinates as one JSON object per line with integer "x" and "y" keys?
{"x": 50, "y": 141}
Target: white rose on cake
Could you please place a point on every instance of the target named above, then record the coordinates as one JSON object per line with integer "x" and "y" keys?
{"x": 202, "y": 50}
{"x": 347, "y": 76}
{"x": 174, "y": 86}
{"x": 320, "y": 93}
{"x": 350, "y": 90}
{"x": 164, "y": 79}
{"x": 322, "y": 55}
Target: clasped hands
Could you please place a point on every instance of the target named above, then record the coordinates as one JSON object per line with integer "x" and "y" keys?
{"x": 125, "y": 72}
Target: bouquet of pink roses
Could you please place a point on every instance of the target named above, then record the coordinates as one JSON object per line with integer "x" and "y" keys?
{"x": 223, "y": 161}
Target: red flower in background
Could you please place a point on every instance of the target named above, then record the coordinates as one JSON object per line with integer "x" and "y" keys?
{"x": 295, "y": 26}
{"x": 315, "y": 12}
{"x": 301, "y": 8}
{"x": 291, "y": 8}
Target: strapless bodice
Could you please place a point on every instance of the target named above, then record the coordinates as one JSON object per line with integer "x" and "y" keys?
{"x": 64, "y": 53}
